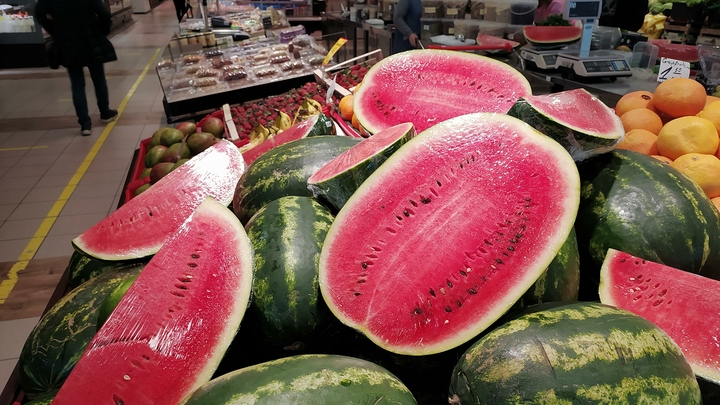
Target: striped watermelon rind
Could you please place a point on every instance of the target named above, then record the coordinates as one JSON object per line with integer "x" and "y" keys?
{"x": 82, "y": 268}
{"x": 576, "y": 119}
{"x": 284, "y": 171}
{"x": 636, "y": 204}
{"x": 287, "y": 236}
{"x": 577, "y": 353}
{"x": 340, "y": 178}
{"x": 59, "y": 339}
{"x": 560, "y": 281}
{"x": 306, "y": 379}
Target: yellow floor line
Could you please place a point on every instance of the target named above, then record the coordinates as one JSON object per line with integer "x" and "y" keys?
{"x": 24, "y": 148}
{"x": 32, "y": 247}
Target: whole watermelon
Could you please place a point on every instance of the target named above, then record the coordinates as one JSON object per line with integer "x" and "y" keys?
{"x": 581, "y": 353}
{"x": 636, "y": 204}
{"x": 56, "y": 343}
{"x": 83, "y": 268}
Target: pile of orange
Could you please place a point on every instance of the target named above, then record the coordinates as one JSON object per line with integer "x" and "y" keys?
{"x": 677, "y": 124}
{"x": 347, "y": 113}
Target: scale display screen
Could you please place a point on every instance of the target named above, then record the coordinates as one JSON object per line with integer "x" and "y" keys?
{"x": 582, "y": 9}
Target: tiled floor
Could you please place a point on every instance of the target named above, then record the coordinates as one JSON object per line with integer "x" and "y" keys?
{"x": 41, "y": 149}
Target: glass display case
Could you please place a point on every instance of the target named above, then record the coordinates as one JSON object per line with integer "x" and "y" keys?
{"x": 22, "y": 41}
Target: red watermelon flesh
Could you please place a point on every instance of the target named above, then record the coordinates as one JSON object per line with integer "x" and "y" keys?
{"x": 551, "y": 36}
{"x": 682, "y": 304}
{"x": 141, "y": 226}
{"x": 297, "y": 131}
{"x": 426, "y": 87}
{"x": 169, "y": 332}
{"x": 449, "y": 233}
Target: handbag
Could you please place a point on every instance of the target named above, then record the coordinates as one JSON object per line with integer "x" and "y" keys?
{"x": 52, "y": 55}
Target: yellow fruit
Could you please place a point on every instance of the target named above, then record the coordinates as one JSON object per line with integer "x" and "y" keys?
{"x": 679, "y": 97}
{"x": 688, "y": 135}
{"x": 641, "y": 118}
{"x": 703, "y": 169}
{"x": 640, "y": 140}
{"x": 712, "y": 114}
{"x": 631, "y": 101}
{"x": 355, "y": 122}
{"x": 711, "y": 99}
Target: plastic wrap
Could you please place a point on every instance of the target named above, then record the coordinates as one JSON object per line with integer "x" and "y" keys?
{"x": 575, "y": 119}
{"x": 288, "y": 34}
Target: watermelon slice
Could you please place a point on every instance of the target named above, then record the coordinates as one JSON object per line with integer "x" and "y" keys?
{"x": 576, "y": 119}
{"x": 424, "y": 264}
{"x": 318, "y": 124}
{"x": 548, "y": 36}
{"x": 140, "y": 227}
{"x": 426, "y": 87}
{"x": 682, "y": 304}
{"x": 500, "y": 43}
{"x": 170, "y": 330}
{"x": 339, "y": 178}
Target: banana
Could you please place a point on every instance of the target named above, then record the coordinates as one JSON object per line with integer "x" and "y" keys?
{"x": 283, "y": 121}
{"x": 307, "y": 109}
{"x": 257, "y": 136}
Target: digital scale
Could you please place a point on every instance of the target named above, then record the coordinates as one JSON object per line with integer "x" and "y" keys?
{"x": 583, "y": 63}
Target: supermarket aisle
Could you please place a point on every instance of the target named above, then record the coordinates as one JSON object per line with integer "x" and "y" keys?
{"x": 41, "y": 153}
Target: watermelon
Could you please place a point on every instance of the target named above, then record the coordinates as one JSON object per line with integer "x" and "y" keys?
{"x": 582, "y": 353}
{"x": 287, "y": 235}
{"x": 560, "y": 281}
{"x": 576, "y": 119}
{"x": 140, "y": 227}
{"x": 44, "y": 399}
{"x": 424, "y": 264}
{"x": 338, "y": 179}
{"x": 168, "y": 333}
{"x": 680, "y": 303}
{"x": 284, "y": 171}
{"x": 426, "y": 87}
{"x": 82, "y": 268}
{"x": 306, "y": 379}
{"x": 59, "y": 339}
{"x": 112, "y": 299}
{"x": 637, "y": 204}
{"x": 551, "y": 37}
{"x": 318, "y": 124}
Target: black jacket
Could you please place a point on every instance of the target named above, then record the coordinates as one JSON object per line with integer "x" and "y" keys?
{"x": 79, "y": 28}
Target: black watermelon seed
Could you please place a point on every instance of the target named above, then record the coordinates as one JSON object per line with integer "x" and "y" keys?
{"x": 448, "y": 309}
{"x": 472, "y": 291}
{"x": 459, "y": 303}
{"x": 510, "y": 248}
{"x": 425, "y": 200}
{"x": 498, "y": 261}
{"x": 364, "y": 265}
{"x": 462, "y": 273}
{"x": 449, "y": 283}
{"x": 432, "y": 292}
{"x": 195, "y": 256}
{"x": 406, "y": 213}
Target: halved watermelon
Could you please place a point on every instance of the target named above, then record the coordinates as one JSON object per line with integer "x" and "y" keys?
{"x": 168, "y": 333}
{"x": 426, "y": 87}
{"x": 318, "y": 124}
{"x": 140, "y": 227}
{"x": 548, "y": 36}
{"x": 583, "y": 124}
{"x": 339, "y": 178}
{"x": 682, "y": 304}
{"x": 423, "y": 264}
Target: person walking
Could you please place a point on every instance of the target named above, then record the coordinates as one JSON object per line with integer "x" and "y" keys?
{"x": 407, "y": 20}
{"x": 79, "y": 29}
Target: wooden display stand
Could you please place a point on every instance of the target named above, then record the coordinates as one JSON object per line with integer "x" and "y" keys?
{"x": 682, "y": 34}
{"x": 709, "y": 36}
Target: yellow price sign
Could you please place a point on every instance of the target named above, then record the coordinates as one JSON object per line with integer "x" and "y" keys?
{"x": 340, "y": 42}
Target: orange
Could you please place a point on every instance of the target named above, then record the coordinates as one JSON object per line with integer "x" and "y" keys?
{"x": 716, "y": 202}
{"x": 703, "y": 169}
{"x": 355, "y": 122}
{"x": 631, "y": 101}
{"x": 688, "y": 135}
{"x": 710, "y": 100}
{"x": 346, "y": 107}
{"x": 641, "y": 118}
{"x": 662, "y": 158}
{"x": 640, "y": 140}
{"x": 679, "y": 97}
{"x": 712, "y": 114}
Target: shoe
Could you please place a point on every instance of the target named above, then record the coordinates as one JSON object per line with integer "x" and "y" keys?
{"x": 86, "y": 129}
{"x": 109, "y": 116}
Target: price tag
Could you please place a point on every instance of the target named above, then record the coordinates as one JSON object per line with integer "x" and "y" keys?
{"x": 338, "y": 44}
{"x": 671, "y": 68}
{"x": 430, "y": 10}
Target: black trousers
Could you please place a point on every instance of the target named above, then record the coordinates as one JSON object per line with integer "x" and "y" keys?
{"x": 179, "y": 9}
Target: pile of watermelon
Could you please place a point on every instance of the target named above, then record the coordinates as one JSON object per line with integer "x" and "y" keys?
{"x": 455, "y": 256}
